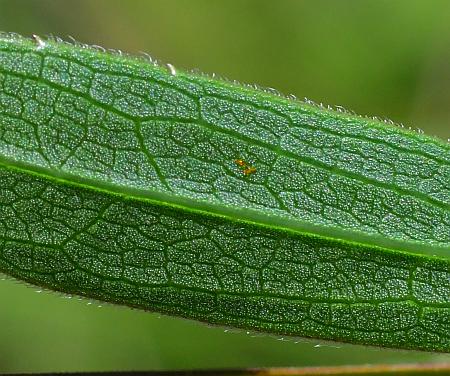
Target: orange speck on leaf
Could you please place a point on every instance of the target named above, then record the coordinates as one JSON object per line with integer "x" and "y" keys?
{"x": 240, "y": 162}
{"x": 249, "y": 170}
{"x": 246, "y": 168}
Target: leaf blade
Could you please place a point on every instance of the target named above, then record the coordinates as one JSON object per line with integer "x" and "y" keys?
{"x": 287, "y": 258}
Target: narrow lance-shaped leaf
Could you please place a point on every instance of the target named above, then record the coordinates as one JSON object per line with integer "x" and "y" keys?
{"x": 172, "y": 192}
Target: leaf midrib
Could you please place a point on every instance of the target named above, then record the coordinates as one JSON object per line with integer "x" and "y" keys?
{"x": 254, "y": 216}
{"x": 228, "y": 212}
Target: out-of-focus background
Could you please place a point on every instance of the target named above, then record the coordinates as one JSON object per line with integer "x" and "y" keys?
{"x": 376, "y": 57}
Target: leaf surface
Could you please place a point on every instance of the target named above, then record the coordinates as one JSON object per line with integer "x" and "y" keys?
{"x": 173, "y": 192}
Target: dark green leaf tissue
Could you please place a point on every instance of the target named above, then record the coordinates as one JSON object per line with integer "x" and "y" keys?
{"x": 173, "y": 192}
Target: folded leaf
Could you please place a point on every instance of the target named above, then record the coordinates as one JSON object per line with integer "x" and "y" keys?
{"x": 172, "y": 192}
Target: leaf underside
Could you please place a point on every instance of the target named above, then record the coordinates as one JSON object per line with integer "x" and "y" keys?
{"x": 176, "y": 193}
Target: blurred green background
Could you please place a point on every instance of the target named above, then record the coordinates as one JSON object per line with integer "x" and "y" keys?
{"x": 384, "y": 58}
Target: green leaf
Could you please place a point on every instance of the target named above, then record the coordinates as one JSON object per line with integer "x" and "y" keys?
{"x": 172, "y": 192}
